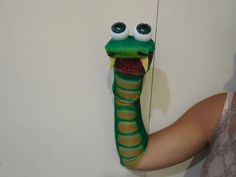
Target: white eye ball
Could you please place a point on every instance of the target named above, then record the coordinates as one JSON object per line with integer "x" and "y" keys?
{"x": 143, "y": 32}
{"x": 119, "y": 31}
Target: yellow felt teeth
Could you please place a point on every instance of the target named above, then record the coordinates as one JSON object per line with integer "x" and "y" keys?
{"x": 145, "y": 63}
{"x": 112, "y": 62}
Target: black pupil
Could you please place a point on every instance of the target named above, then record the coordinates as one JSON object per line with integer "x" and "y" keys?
{"x": 118, "y": 27}
{"x": 143, "y": 28}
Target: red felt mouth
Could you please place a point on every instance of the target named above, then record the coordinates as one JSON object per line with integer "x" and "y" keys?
{"x": 131, "y": 66}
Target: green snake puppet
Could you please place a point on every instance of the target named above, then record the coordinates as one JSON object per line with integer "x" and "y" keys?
{"x": 130, "y": 56}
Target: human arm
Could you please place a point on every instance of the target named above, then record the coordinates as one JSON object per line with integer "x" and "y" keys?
{"x": 179, "y": 141}
{"x": 169, "y": 146}
{"x": 185, "y": 137}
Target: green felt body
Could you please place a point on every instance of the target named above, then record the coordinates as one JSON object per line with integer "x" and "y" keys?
{"x": 125, "y": 104}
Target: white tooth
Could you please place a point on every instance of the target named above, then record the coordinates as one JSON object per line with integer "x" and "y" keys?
{"x": 145, "y": 63}
{"x": 112, "y": 62}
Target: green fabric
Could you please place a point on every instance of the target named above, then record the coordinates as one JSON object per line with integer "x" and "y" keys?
{"x": 127, "y": 90}
{"x": 130, "y": 134}
{"x": 129, "y": 48}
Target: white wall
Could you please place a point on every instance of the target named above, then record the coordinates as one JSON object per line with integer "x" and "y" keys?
{"x": 196, "y": 58}
{"x": 56, "y": 109}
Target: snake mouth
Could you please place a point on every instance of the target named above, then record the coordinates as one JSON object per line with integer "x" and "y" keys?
{"x": 132, "y": 66}
{"x": 129, "y": 66}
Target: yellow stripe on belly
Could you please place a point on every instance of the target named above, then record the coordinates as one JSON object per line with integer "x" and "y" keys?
{"x": 129, "y": 140}
{"x": 128, "y": 152}
{"x": 127, "y": 127}
{"x": 131, "y": 95}
{"x": 126, "y": 115}
{"x": 128, "y": 84}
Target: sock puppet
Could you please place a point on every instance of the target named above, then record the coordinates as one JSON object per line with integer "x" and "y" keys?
{"x": 130, "y": 56}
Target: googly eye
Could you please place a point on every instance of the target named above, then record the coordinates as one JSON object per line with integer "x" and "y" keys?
{"x": 143, "y": 32}
{"x": 119, "y": 31}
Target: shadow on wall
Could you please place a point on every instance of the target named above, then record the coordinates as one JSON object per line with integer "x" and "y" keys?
{"x": 231, "y": 84}
{"x": 161, "y": 91}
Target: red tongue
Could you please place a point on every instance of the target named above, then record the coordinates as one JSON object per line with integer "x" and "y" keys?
{"x": 129, "y": 66}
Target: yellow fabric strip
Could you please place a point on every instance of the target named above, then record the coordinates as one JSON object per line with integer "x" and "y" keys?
{"x": 112, "y": 62}
{"x": 145, "y": 63}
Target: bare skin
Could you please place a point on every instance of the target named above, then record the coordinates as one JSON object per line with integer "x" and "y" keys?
{"x": 185, "y": 137}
